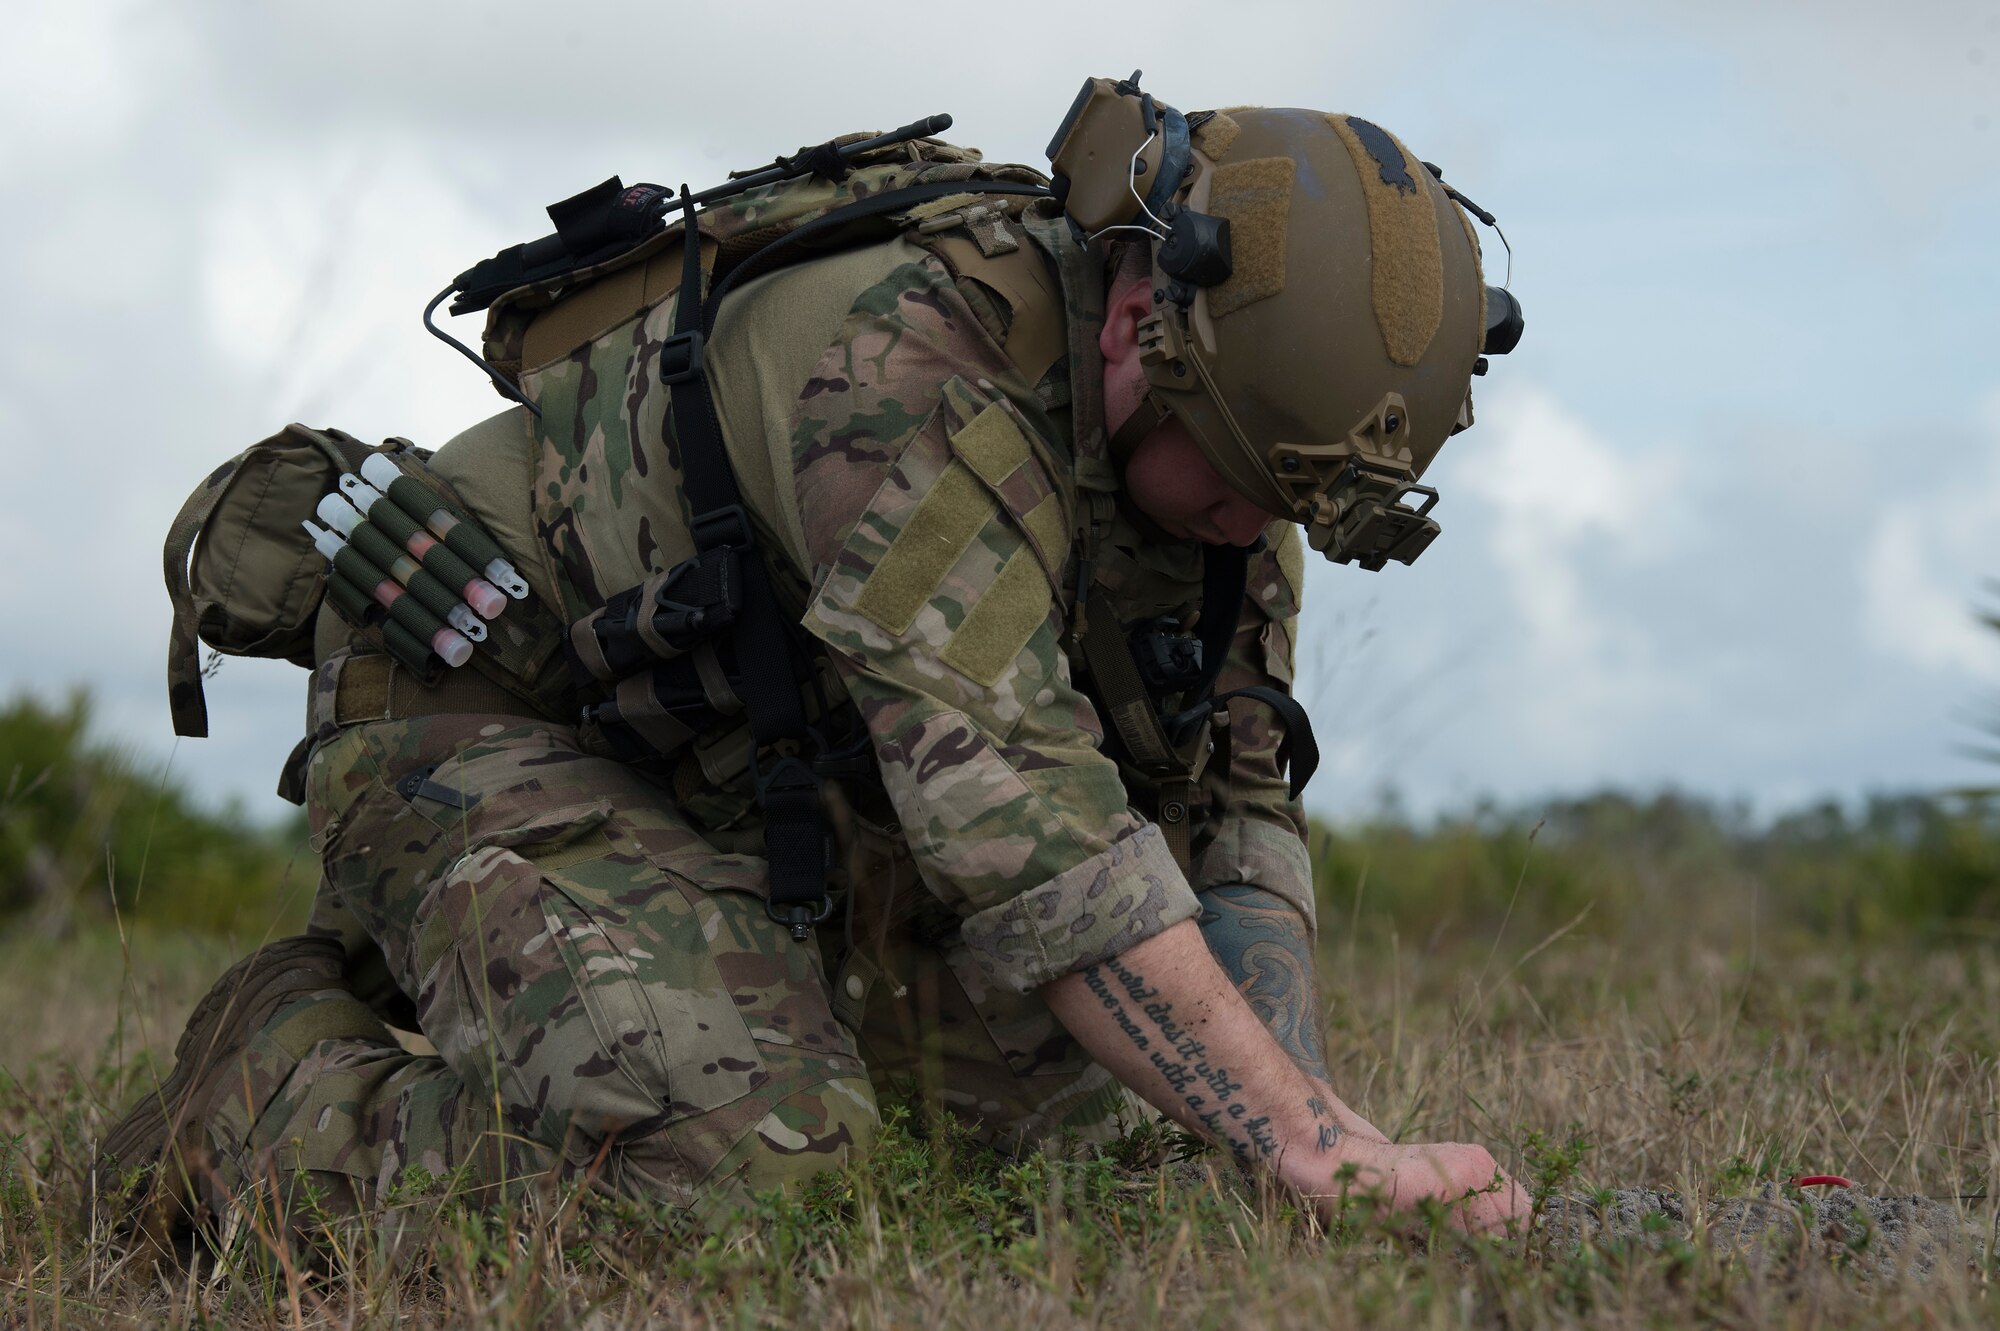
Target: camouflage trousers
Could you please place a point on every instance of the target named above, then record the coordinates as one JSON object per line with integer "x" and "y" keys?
{"x": 608, "y": 1000}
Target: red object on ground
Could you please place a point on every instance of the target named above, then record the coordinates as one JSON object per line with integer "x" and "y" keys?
{"x": 1822, "y": 1181}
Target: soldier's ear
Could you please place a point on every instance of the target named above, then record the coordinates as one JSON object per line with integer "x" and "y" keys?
{"x": 1124, "y": 306}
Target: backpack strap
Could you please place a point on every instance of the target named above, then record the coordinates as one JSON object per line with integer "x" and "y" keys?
{"x": 769, "y": 658}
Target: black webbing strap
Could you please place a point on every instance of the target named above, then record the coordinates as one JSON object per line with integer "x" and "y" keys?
{"x": 795, "y": 831}
{"x": 1225, "y": 572}
{"x": 1298, "y": 750}
{"x": 1130, "y": 712}
{"x": 1169, "y": 753}
{"x": 797, "y": 844}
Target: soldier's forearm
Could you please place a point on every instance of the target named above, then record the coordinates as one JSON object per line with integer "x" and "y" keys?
{"x": 1166, "y": 1020}
{"x": 1263, "y": 947}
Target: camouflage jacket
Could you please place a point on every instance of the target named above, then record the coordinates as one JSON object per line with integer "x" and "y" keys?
{"x": 920, "y": 493}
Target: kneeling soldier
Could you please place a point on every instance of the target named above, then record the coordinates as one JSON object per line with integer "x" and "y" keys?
{"x": 1002, "y": 487}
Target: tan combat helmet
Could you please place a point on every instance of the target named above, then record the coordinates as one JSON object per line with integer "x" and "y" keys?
{"x": 1318, "y": 303}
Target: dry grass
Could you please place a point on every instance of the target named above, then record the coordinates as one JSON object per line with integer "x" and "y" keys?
{"x": 1666, "y": 1058}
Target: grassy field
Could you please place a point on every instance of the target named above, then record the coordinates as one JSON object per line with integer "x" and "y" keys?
{"x": 1611, "y": 992}
{"x": 1648, "y": 1055}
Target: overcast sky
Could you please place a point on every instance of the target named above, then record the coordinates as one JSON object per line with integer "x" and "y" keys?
{"x": 1722, "y": 524}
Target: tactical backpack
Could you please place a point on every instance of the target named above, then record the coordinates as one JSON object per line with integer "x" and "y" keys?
{"x": 707, "y": 645}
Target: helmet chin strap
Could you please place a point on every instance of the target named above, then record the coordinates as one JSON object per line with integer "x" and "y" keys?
{"x": 1149, "y": 415}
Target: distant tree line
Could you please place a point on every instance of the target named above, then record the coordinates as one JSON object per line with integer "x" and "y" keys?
{"x": 84, "y": 827}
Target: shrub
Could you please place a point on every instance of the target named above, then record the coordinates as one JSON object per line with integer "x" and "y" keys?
{"x": 81, "y": 823}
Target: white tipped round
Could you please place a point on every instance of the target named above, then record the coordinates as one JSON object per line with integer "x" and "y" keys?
{"x": 359, "y": 491}
{"x": 451, "y": 646}
{"x": 484, "y": 597}
{"x": 502, "y": 575}
{"x": 379, "y": 471}
{"x": 466, "y": 622}
{"x": 324, "y": 541}
{"x": 338, "y": 514}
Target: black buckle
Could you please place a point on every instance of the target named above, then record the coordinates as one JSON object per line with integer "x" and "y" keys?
{"x": 857, "y": 759}
{"x": 680, "y": 357}
{"x": 722, "y": 526}
{"x": 788, "y": 794}
{"x": 801, "y": 917}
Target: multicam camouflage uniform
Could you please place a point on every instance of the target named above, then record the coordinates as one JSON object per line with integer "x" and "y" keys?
{"x": 586, "y": 945}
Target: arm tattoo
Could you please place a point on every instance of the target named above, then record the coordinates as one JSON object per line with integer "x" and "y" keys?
{"x": 1181, "y": 1059}
{"x": 1262, "y": 946}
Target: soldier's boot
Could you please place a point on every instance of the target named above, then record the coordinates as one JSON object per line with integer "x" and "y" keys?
{"x": 147, "y": 1180}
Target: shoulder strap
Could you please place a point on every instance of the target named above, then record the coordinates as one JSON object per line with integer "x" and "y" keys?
{"x": 768, "y": 658}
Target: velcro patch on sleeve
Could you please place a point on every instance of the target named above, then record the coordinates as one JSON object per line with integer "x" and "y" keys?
{"x": 991, "y": 444}
{"x": 994, "y": 445}
{"x": 1000, "y": 622}
{"x": 1407, "y": 261}
{"x": 942, "y": 527}
{"x": 1256, "y": 196}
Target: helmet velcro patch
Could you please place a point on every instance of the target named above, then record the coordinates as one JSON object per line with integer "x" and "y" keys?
{"x": 1216, "y": 135}
{"x": 1407, "y": 262}
{"x": 1256, "y": 197}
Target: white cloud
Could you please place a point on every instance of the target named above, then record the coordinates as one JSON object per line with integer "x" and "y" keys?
{"x": 1564, "y": 500}
{"x": 314, "y": 266}
{"x": 1922, "y": 566}
{"x": 69, "y": 77}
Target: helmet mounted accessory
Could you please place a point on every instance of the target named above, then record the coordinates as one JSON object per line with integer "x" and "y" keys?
{"x": 1318, "y": 396}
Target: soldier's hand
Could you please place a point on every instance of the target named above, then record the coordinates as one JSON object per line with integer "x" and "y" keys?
{"x": 1476, "y": 1193}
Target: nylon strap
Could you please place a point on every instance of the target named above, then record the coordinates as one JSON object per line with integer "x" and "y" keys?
{"x": 1172, "y": 764}
{"x": 797, "y": 841}
{"x": 374, "y": 687}
{"x": 1129, "y": 709}
{"x": 1299, "y": 750}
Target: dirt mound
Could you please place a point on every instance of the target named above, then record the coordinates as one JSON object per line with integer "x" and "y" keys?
{"x": 1877, "y": 1236}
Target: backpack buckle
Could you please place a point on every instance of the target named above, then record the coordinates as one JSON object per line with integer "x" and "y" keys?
{"x": 681, "y": 357}
{"x": 726, "y": 526}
